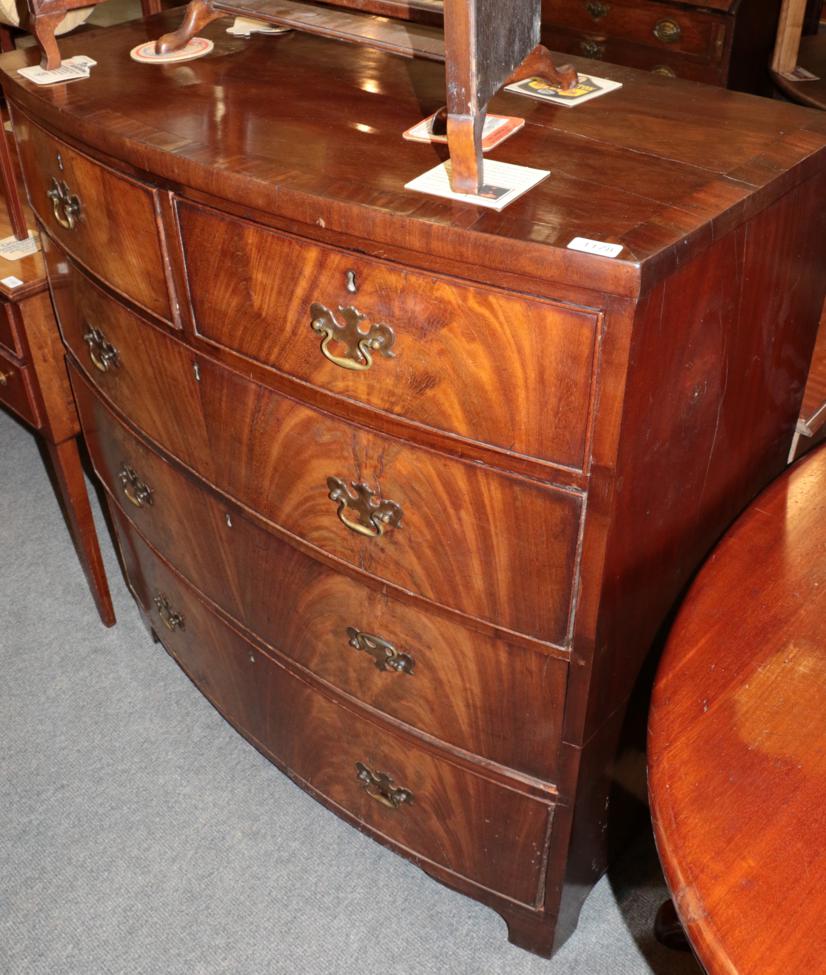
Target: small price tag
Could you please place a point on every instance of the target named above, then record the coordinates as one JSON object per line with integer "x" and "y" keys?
{"x": 599, "y": 247}
{"x": 11, "y": 281}
{"x": 15, "y": 250}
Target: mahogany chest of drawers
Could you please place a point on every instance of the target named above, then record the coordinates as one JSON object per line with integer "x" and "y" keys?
{"x": 407, "y": 487}
{"x": 720, "y": 42}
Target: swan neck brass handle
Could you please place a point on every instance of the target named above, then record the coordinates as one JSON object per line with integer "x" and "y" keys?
{"x": 597, "y": 9}
{"x": 362, "y": 510}
{"x": 65, "y": 204}
{"x": 138, "y": 492}
{"x": 379, "y": 786}
{"x": 103, "y": 354}
{"x": 385, "y": 656}
{"x": 668, "y": 31}
{"x": 5, "y": 377}
{"x": 170, "y": 619}
{"x": 357, "y": 345}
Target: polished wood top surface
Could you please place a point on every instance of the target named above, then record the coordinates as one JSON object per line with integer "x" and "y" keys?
{"x": 737, "y": 739}
{"x": 661, "y": 166}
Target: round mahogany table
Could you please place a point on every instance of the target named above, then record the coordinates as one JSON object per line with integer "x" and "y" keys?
{"x": 737, "y": 740}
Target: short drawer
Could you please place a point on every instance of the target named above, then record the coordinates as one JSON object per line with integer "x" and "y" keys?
{"x": 17, "y": 390}
{"x": 402, "y": 659}
{"x": 11, "y": 332}
{"x": 429, "y": 808}
{"x": 487, "y": 544}
{"x": 510, "y": 372}
{"x": 104, "y": 219}
{"x": 663, "y": 26}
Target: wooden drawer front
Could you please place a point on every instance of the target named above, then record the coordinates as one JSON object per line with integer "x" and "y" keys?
{"x": 115, "y": 231}
{"x": 149, "y": 377}
{"x": 669, "y": 63}
{"x": 472, "y": 362}
{"x": 497, "y": 700}
{"x": 454, "y": 819}
{"x": 665, "y": 27}
{"x": 11, "y": 334}
{"x": 17, "y": 390}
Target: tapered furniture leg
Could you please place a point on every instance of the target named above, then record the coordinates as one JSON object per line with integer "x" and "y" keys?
{"x": 72, "y": 486}
{"x": 199, "y": 13}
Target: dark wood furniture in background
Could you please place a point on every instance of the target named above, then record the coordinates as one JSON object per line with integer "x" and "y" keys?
{"x": 34, "y": 385}
{"x": 721, "y": 42}
{"x": 407, "y": 487}
{"x": 480, "y": 56}
{"x": 737, "y": 746}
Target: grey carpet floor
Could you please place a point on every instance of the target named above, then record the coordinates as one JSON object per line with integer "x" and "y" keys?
{"x": 140, "y": 834}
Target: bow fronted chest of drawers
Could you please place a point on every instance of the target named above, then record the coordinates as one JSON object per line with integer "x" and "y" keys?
{"x": 407, "y": 487}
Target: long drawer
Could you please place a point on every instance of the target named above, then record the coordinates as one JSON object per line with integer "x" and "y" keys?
{"x": 107, "y": 221}
{"x": 437, "y": 812}
{"x": 489, "y": 545}
{"x": 507, "y": 371}
{"x": 404, "y": 660}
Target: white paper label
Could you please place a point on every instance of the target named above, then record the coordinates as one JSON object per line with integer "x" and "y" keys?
{"x": 588, "y": 246}
{"x": 15, "y": 250}
{"x": 11, "y": 281}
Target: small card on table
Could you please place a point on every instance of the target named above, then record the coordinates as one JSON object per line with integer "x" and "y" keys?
{"x": 497, "y": 129}
{"x": 585, "y": 90}
{"x": 14, "y": 250}
{"x": 72, "y": 69}
{"x": 504, "y": 183}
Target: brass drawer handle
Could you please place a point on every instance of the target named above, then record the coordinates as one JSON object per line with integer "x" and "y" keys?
{"x": 597, "y": 9}
{"x": 103, "y": 354}
{"x": 5, "y": 377}
{"x": 364, "y": 511}
{"x": 359, "y": 345}
{"x": 379, "y": 786}
{"x": 592, "y": 50}
{"x": 170, "y": 619}
{"x": 664, "y": 71}
{"x": 137, "y": 491}
{"x": 65, "y": 204}
{"x": 668, "y": 31}
{"x": 385, "y": 655}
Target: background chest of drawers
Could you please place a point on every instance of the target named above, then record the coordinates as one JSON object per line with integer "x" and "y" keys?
{"x": 407, "y": 488}
{"x": 721, "y": 42}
